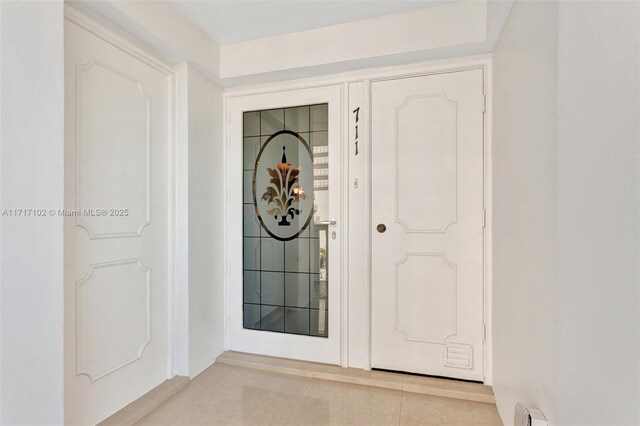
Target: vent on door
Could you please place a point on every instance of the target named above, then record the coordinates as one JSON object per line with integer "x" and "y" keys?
{"x": 458, "y": 356}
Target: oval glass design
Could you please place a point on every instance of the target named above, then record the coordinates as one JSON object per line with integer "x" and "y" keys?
{"x": 283, "y": 185}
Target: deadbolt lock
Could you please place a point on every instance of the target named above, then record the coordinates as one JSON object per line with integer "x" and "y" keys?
{"x": 381, "y": 227}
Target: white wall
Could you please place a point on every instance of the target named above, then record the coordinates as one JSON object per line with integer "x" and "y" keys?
{"x": 566, "y": 212}
{"x": 524, "y": 215}
{"x": 437, "y": 27}
{"x": 597, "y": 320}
{"x": 31, "y": 176}
{"x": 199, "y": 296}
{"x": 358, "y": 217}
{"x": 181, "y": 292}
{"x": 206, "y": 229}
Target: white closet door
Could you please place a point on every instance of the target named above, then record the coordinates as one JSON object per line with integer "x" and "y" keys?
{"x": 427, "y": 191}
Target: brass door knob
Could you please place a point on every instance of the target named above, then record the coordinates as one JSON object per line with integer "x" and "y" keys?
{"x": 381, "y": 227}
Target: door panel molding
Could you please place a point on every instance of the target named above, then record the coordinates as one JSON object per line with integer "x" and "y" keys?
{"x": 453, "y": 326}
{"x": 82, "y": 306}
{"x": 91, "y": 223}
{"x": 450, "y": 213}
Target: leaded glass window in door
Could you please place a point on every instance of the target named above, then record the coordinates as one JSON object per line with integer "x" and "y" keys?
{"x": 285, "y": 177}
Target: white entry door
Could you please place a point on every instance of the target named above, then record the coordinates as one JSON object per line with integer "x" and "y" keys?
{"x": 117, "y": 115}
{"x": 428, "y": 220}
{"x": 284, "y": 225}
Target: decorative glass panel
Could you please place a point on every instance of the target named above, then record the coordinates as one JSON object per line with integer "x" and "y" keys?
{"x": 285, "y": 181}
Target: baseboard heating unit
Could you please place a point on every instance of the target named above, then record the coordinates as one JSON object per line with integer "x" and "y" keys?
{"x": 527, "y": 416}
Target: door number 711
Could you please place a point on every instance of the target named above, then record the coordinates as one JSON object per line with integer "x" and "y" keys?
{"x": 357, "y": 113}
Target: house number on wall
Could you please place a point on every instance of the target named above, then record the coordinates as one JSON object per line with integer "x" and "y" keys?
{"x": 357, "y": 113}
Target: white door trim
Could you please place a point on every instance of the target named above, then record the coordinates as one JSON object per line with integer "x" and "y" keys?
{"x": 360, "y": 285}
{"x": 236, "y": 337}
{"x": 122, "y": 41}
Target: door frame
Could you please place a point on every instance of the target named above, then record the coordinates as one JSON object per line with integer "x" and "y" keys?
{"x": 356, "y": 323}
{"x": 331, "y": 350}
{"x": 176, "y": 170}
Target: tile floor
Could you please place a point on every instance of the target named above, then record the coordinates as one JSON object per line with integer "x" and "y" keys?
{"x": 230, "y": 395}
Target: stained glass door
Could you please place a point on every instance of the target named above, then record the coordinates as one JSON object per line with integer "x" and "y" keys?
{"x": 286, "y": 220}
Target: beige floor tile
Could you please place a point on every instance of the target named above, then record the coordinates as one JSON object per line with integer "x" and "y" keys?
{"x": 437, "y": 411}
{"x": 449, "y": 388}
{"x": 267, "y": 380}
{"x": 271, "y": 363}
{"x": 160, "y": 417}
{"x": 457, "y": 385}
{"x": 184, "y": 399}
{"x": 234, "y": 396}
{"x": 252, "y": 397}
{"x": 334, "y": 403}
{"x": 193, "y": 420}
{"x": 247, "y": 406}
{"x": 131, "y": 413}
{"x": 164, "y": 417}
{"x": 167, "y": 388}
{"x": 209, "y": 378}
{"x": 357, "y": 376}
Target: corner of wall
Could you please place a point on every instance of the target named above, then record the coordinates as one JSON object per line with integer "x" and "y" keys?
{"x": 525, "y": 63}
{"x": 206, "y": 221}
